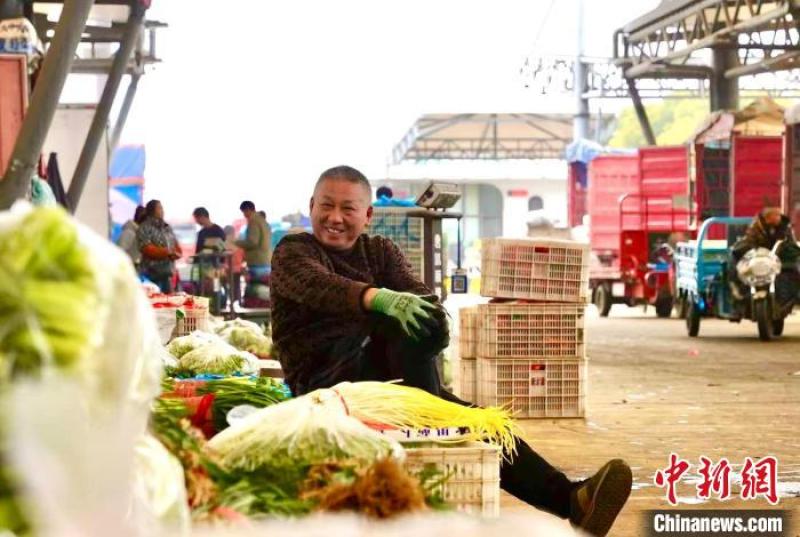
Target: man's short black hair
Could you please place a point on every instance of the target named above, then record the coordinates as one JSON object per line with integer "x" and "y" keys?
{"x": 345, "y": 173}
{"x": 200, "y": 212}
{"x": 247, "y": 206}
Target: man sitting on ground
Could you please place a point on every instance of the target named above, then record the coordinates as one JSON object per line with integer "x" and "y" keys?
{"x": 346, "y": 307}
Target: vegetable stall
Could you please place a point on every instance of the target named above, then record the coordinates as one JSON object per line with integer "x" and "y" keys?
{"x": 201, "y": 424}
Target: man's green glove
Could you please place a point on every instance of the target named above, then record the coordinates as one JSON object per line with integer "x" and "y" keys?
{"x": 407, "y": 308}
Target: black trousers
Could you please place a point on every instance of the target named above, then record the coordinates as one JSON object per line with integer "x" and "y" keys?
{"x": 385, "y": 354}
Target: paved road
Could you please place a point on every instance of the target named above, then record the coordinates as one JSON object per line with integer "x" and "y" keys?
{"x": 653, "y": 390}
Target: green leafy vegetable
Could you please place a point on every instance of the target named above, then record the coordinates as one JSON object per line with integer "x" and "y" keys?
{"x": 230, "y": 393}
{"x": 48, "y": 294}
{"x": 217, "y": 359}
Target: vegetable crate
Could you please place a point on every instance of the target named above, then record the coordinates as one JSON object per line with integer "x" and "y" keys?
{"x": 535, "y": 269}
{"x": 533, "y": 388}
{"x": 467, "y": 379}
{"x": 407, "y": 232}
{"x": 468, "y": 332}
{"x": 191, "y": 319}
{"x": 473, "y": 469}
{"x": 531, "y": 331}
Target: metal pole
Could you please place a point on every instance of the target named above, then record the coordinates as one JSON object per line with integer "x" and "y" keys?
{"x": 641, "y": 112}
{"x": 130, "y": 94}
{"x": 100, "y": 120}
{"x": 44, "y": 101}
{"x": 581, "y": 121}
{"x": 724, "y": 91}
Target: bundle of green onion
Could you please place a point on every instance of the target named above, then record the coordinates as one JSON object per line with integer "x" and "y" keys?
{"x": 232, "y": 392}
{"x": 299, "y": 433}
{"x": 48, "y": 294}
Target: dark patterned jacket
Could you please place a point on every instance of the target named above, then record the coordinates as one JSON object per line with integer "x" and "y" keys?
{"x": 760, "y": 235}
{"x": 316, "y": 297}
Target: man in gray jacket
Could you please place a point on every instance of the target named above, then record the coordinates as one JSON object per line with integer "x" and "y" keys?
{"x": 257, "y": 241}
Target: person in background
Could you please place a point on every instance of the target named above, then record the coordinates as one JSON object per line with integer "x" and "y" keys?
{"x": 211, "y": 236}
{"x": 767, "y": 228}
{"x": 347, "y": 307}
{"x": 384, "y": 192}
{"x": 263, "y": 214}
{"x": 237, "y": 260}
{"x": 127, "y": 239}
{"x": 159, "y": 247}
{"x": 256, "y": 242}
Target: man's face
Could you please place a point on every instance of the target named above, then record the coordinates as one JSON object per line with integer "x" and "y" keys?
{"x": 201, "y": 221}
{"x": 340, "y": 211}
{"x": 248, "y": 214}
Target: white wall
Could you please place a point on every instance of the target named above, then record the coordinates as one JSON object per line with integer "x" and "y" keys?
{"x": 66, "y": 137}
{"x": 515, "y": 208}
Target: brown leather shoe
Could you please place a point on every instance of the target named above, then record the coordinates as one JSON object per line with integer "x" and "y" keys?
{"x": 596, "y": 502}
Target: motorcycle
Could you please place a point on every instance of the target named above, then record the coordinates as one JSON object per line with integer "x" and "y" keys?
{"x": 762, "y": 272}
{"x": 762, "y": 286}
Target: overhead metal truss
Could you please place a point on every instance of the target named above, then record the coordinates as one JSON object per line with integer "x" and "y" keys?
{"x": 95, "y": 52}
{"x": 125, "y": 43}
{"x": 489, "y": 136}
{"x": 664, "y": 42}
{"x": 605, "y": 80}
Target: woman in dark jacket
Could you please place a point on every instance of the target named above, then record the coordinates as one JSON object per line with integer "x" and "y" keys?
{"x": 159, "y": 247}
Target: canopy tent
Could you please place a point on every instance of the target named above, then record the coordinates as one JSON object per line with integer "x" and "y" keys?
{"x": 490, "y": 136}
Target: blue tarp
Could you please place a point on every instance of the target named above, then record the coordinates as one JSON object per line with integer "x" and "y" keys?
{"x": 128, "y": 161}
{"x": 586, "y": 151}
{"x": 127, "y": 167}
{"x": 383, "y": 201}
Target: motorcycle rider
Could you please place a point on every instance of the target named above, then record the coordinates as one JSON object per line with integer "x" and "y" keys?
{"x": 766, "y": 229}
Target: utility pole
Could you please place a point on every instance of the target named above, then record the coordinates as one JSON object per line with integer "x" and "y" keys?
{"x": 581, "y": 121}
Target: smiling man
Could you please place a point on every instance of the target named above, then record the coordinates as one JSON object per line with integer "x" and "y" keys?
{"x": 346, "y": 307}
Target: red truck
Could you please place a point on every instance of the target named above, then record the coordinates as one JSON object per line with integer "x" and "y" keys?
{"x": 640, "y": 205}
{"x": 637, "y": 204}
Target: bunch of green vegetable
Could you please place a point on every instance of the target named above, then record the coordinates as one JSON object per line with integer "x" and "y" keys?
{"x": 304, "y": 431}
{"x": 246, "y": 336}
{"x": 48, "y": 294}
{"x": 246, "y": 340}
{"x": 212, "y": 359}
{"x": 184, "y": 344}
{"x": 229, "y": 393}
{"x": 212, "y": 487}
{"x": 71, "y": 308}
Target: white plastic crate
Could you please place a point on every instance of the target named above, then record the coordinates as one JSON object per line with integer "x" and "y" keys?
{"x": 535, "y": 269}
{"x": 468, "y": 332}
{"x": 467, "y": 379}
{"x": 473, "y": 469}
{"x": 395, "y": 224}
{"x": 531, "y": 331}
{"x": 405, "y": 231}
{"x": 534, "y": 388}
{"x": 193, "y": 319}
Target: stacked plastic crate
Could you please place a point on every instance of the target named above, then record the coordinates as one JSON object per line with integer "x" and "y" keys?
{"x": 405, "y": 231}
{"x": 467, "y": 353}
{"x": 531, "y": 355}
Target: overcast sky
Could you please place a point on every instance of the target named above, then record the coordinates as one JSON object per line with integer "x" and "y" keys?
{"x": 256, "y": 100}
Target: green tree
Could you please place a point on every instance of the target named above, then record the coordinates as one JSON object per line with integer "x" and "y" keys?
{"x": 673, "y": 122}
